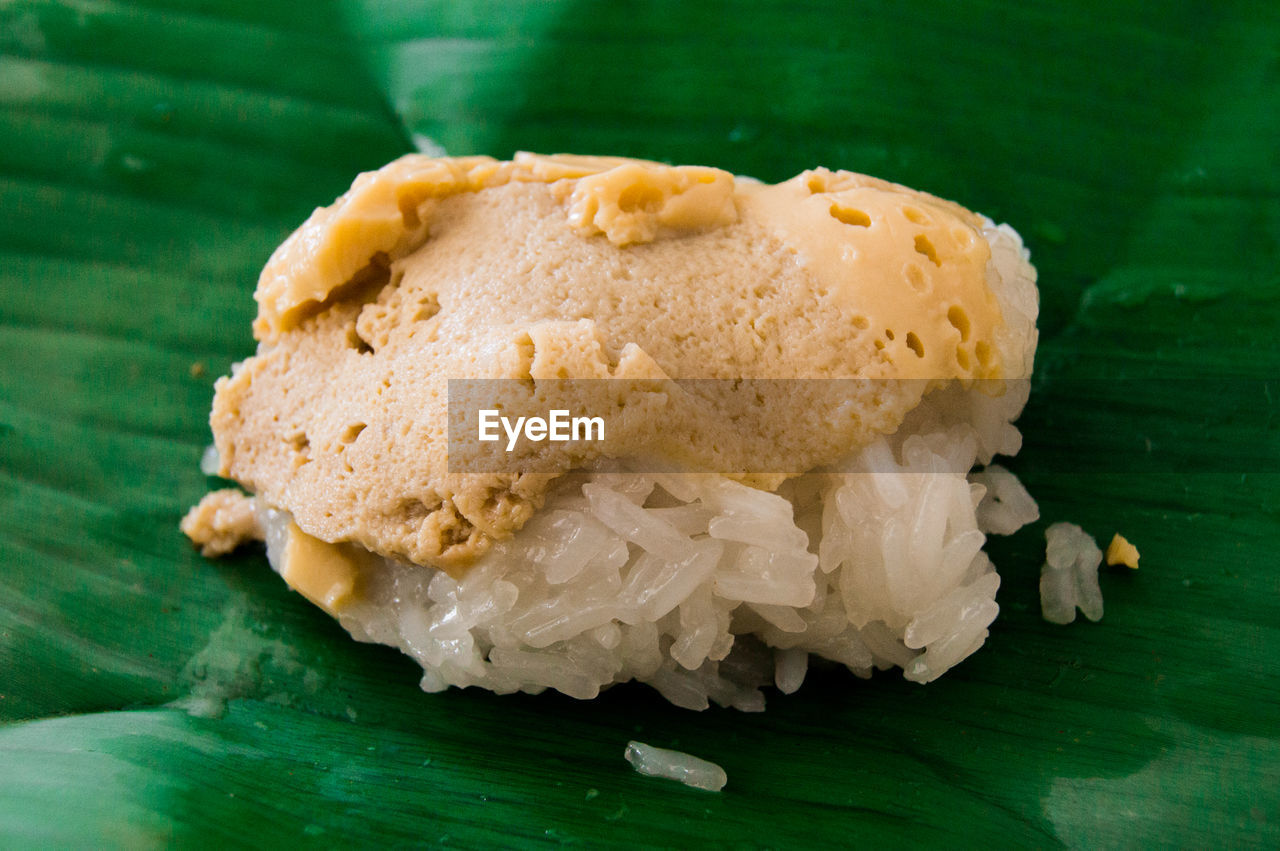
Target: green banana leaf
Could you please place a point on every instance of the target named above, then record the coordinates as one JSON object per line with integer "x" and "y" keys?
{"x": 153, "y": 153}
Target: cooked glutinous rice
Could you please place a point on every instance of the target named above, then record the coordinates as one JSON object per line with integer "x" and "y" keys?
{"x": 209, "y": 461}
{"x": 675, "y": 765}
{"x": 1069, "y": 578}
{"x": 707, "y": 589}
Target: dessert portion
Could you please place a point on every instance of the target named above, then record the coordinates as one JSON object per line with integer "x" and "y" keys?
{"x": 685, "y": 552}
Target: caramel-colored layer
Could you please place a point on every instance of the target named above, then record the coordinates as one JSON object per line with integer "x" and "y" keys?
{"x": 581, "y": 267}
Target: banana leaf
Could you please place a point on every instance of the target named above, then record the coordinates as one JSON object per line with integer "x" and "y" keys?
{"x": 153, "y": 154}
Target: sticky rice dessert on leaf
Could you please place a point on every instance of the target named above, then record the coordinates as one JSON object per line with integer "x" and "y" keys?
{"x": 796, "y": 383}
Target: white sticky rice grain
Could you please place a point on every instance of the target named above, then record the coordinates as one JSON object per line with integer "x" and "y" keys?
{"x": 210, "y": 461}
{"x": 1069, "y": 578}
{"x": 675, "y": 765}
{"x": 1006, "y": 506}
{"x": 790, "y": 666}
